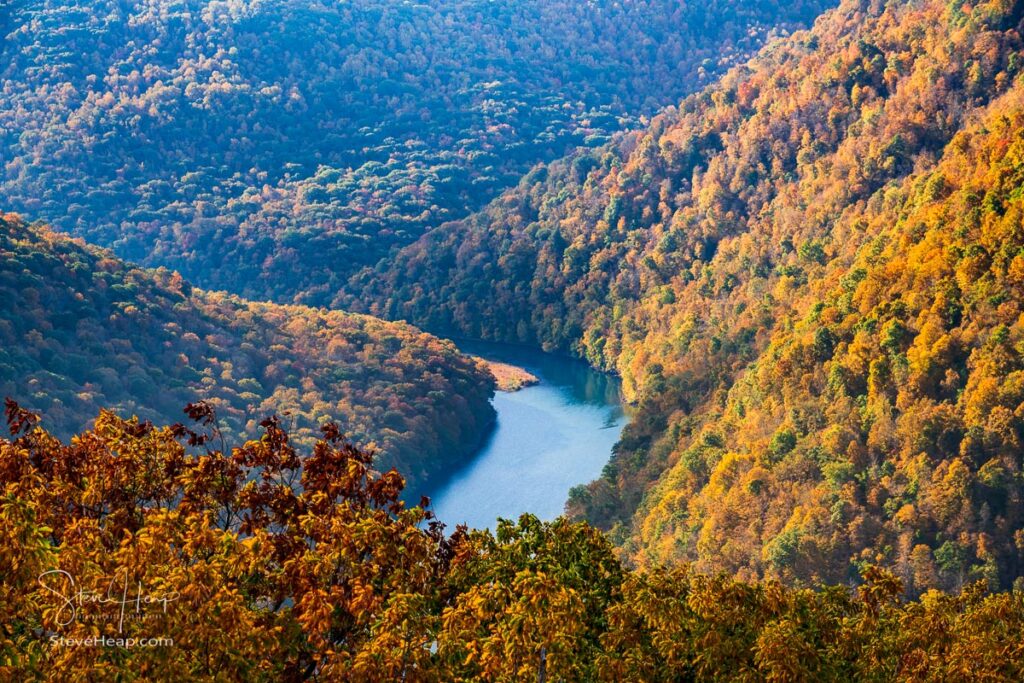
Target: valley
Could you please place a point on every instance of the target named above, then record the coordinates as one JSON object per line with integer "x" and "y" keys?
{"x": 480, "y": 340}
{"x": 721, "y": 262}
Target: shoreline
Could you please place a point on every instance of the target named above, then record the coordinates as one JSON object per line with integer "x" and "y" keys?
{"x": 509, "y": 378}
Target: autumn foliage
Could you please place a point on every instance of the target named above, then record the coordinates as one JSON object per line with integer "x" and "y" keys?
{"x": 808, "y": 276}
{"x": 81, "y": 330}
{"x": 266, "y": 563}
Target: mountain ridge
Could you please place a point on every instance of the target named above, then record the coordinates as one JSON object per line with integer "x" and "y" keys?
{"x": 82, "y": 331}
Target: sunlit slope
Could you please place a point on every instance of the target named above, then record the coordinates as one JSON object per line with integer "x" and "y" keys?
{"x": 884, "y": 423}
{"x": 677, "y": 255}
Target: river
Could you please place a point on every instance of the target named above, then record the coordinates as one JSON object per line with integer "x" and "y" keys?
{"x": 549, "y": 437}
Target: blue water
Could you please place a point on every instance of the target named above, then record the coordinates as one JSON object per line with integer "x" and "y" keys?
{"x": 549, "y": 438}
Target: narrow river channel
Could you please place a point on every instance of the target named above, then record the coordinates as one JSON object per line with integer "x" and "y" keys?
{"x": 549, "y": 438}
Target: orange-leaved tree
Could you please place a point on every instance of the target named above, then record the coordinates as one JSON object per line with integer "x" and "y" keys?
{"x": 253, "y": 564}
{"x": 143, "y": 553}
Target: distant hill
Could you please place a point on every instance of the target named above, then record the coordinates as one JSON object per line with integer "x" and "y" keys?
{"x": 81, "y": 330}
{"x": 806, "y": 276}
{"x": 272, "y": 148}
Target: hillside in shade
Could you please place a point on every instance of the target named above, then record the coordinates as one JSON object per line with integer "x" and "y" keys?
{"x": 81, "y": 330}
{"x": 811, "y": 396}
{"x": 272, "y": 148}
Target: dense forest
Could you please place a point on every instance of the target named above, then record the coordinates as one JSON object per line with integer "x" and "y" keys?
{"x": 82, "y": 331}
{"x": 243, "y": 575}
{"x": 899, "y": 392}
{"x": 805, "y": 275}
{"x": 808, "y": 272}
{"x": 270, "y": 148}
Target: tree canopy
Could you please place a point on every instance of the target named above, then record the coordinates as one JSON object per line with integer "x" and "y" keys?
{"x": 267, "y": 563}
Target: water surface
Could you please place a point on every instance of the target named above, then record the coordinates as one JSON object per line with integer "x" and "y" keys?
{"x": 549, "y": 438}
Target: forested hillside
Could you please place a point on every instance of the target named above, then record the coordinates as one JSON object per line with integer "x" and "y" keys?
{"x": 747, "y": 255}
{"x": 809, "y": 274}
{"x": 270, "y": 148}
{"x": 82, "y": 331}
{"x": 885, "y": 422}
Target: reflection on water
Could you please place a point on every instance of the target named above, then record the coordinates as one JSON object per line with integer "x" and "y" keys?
{"x": 549, "y": 438}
